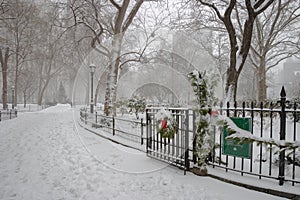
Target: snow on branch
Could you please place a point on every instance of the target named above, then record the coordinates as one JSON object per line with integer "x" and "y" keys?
{"x": 241, "y": 135}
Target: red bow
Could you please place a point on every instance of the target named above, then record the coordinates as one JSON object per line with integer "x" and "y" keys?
{"x": 164, "y": 124}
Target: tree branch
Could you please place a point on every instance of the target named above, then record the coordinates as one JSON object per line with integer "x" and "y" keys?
{"x": 211, "y": 5}
{"x": 259, "y": 3}
{"x": 115, "y": 4}
{"x": 132, "y": 14}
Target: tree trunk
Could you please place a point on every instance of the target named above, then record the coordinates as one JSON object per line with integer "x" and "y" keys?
{"x": 16, "y": 77}
{"x": 41, "y": 94}
{"x": 40, "y": 82}
{"x": 24, "y": 98}
{"x": 97, "y": 91}
{"x": 254, "y": 86}
{"x": 113, "y": 76}
{"x": 262, "y": 86}
{"x": 107, "y": 103}
{"x": 16, "y": 89}
{"x": 231, "y": 84}
{"x": 4, "y": 65}
{"x": 232, "y": 73}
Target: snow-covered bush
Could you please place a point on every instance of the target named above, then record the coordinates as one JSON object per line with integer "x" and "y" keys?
{"x": 122, "y": 106}
{"x": 83, "y": 113}
{"x": 292, "y": 104}
{"x": 105, "y": 122}
{"x": 137, "y": 105}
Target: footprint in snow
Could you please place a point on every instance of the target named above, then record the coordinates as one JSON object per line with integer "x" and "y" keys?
{"x": 165, "y": 182}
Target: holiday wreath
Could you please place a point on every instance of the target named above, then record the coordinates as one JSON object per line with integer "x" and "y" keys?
{"x": 166, "y": 124}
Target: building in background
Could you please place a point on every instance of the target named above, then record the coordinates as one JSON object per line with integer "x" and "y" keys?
{"x": 289, "y": 77}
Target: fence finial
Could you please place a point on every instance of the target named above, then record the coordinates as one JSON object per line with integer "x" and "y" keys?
{"x": 283, "y": 93}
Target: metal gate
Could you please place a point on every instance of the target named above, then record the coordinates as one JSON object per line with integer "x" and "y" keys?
{"x": 171, "y": 150}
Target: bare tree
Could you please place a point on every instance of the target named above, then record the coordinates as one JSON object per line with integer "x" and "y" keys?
{"x": 27, "y": 83}
{"x": 275, "y": 38}
{"x": 36, "y": 45}
{"x": 50, "y": 64}
{"x": 4, "y": 50}
{"x": 239, "y": 49}
{"x": 20, "y": 34}
{"x": 53, "y": 49}
{"x": 217, "y": 47}
{"x": 108, "y": 21}
{"x": 4, "y": 69}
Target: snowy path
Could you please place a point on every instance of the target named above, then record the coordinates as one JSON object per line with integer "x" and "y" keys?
{"x": 43, "y": 157}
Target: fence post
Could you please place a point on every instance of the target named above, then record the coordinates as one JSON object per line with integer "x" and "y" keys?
{"x": 194, "y": 137}
{"x": 0, "y": 115}
{"x": 96, "y": 117}
{"x": 16, "y": 113}
{"x": 186, "y": 154}
{"x": 113, "y": 125}
{"x": 85, "y": 117}
{"x": 142, "y": 132}
{"x": 10, "y": 114}
{"x": 282, "y": 135}
{"x": 147, "y": 131}
{"x": 228, "y": 115}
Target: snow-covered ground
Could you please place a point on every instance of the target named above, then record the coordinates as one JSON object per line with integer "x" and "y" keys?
{"x": 45, "y": 155}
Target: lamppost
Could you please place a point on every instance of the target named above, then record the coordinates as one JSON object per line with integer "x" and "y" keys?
{"x": 13, "y": 96}
{"x": 92, "y": 70}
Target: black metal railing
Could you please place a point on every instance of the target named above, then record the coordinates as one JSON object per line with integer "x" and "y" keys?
{"x": 128, "y": 129}
{"x": 276, "y": 121}
{"x": 177, "y": 149}
{"x": 272, "y": 121}
{"x": 8, "y": 114}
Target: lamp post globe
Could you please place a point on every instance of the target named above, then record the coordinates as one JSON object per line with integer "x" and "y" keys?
{"x": 92, "y": 70}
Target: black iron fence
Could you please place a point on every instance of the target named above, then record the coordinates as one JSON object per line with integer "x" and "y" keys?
{"x": 175, "y": 150}
{"x": 277, "y": 121}
{"x": 8, "y": 114}
{"x": 272, "y": 121}
{"x": 128, "y": 129}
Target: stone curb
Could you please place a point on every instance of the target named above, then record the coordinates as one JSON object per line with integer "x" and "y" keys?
{"x": 251, "y": 187}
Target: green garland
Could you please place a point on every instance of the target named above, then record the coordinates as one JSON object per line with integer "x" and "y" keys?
{"x": 203, "y": 136}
